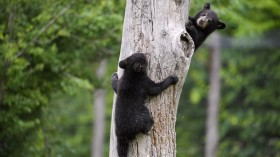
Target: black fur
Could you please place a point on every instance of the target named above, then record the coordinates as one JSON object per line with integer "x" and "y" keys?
{"x": 131, "y": 115}
{"x": 204, "y": 23}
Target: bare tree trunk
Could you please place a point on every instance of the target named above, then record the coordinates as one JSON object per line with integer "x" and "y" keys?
{"x": 213, "y": 98}
{"x": 99, "y": 114}
{"x": 155, "y": 27}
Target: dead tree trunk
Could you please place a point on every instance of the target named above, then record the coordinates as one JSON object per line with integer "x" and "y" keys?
{"x": 99, "y": 114}
{"x": 213, "y": 98}
{"x": 155, "y": 28}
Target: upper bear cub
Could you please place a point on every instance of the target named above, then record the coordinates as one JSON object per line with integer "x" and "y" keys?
{"x": 131, "y": 115}
{"x": 204, "y": 23}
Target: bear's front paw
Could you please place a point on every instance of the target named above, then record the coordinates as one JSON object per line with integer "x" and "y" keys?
{"x": 189, "y": 25}
{"x": 115, "y": 76}
{"x": 174, "y": 79}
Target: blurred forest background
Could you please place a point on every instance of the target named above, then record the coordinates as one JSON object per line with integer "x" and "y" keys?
{"x": 50, "y": 50}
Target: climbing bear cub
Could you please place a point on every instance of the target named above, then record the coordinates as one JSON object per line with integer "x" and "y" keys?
{"x": 131, "y": 115}
{"x": 204, "y": 23}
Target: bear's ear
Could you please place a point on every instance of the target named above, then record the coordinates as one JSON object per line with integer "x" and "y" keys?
{"x": 123, "y": 64}
{"x": 207, "y": 6}
{"x": 221, "y": 25}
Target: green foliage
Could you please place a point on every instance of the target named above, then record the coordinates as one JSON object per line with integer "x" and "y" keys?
{"x": 250, "y": 17}
{"x": 68, "y": 124}
{"x": 48, "y": 47}
{"x": 250, "y": 108}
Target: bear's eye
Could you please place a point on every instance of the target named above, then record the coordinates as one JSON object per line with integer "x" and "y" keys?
{"x": 204, "y": 14}
{"x": 210, "y": 21}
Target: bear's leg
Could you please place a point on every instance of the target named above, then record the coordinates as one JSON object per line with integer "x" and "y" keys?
{"x": 148, "y": 123}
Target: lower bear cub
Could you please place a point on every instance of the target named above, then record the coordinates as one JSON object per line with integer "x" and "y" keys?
{"x": 131, "y": 115}
{"x": 204, "y": 23}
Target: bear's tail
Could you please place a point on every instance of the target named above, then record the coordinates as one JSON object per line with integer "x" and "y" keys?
{"x": 122, "y": 146}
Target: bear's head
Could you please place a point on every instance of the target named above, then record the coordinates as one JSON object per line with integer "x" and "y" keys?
{"x": 208, "y": 20}
{"x": 135, "y": 63}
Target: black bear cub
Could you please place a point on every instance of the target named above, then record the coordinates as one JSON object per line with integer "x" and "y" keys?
{"x": 204, "y": 23}
{"x": 131, "y": 115}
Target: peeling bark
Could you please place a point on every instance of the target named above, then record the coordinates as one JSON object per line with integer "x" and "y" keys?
{"x": 156, "y": 28}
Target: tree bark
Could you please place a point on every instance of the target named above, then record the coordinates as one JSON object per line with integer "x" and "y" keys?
{"x": 213, "y": 98}
{"x": 99, "y": 114}
{"x": 155, "y": 28}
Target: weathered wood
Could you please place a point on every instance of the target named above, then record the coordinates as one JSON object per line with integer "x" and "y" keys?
{"x": 155, "y": 27}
